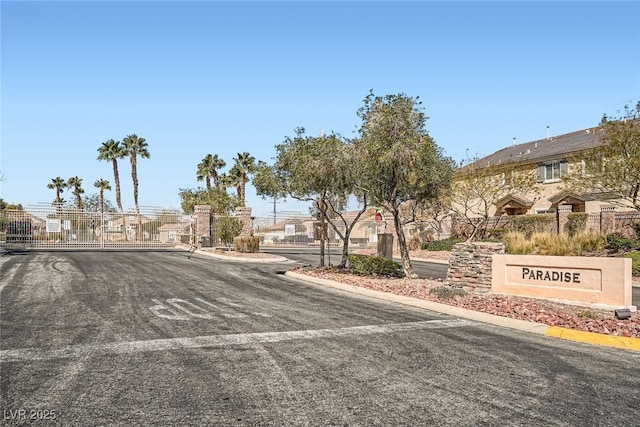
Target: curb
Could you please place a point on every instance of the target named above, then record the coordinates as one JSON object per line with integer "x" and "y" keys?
{"x": 521, "y": 325}
{"x": 240, "y": 259}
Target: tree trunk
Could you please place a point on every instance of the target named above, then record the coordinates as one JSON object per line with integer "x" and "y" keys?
{"x": 402, "y": 245}
{"x": 116, "y": 178}
{"x": 322, "y": 225}
{"x": 134, "y": 177}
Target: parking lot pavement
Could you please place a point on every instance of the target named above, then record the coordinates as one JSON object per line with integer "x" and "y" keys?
{"x": 148, "y": 338}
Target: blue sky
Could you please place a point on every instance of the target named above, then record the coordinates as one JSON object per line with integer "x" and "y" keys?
{"x": 194, "y": 78}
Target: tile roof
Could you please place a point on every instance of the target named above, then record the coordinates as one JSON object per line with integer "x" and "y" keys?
{"x": 544, "y": 149}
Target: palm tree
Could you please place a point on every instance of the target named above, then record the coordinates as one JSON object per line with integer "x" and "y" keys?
{"x": 111, "y": 151}
{"x": 135, "y": 147}
{"x": 102, "y": 185}
{"x": 58, "y": 184}
{"x": 234, "y": 179}
{"x": 245, "y": 165}
{"x": 76, "y": 184}
{"x": 208, "y": 169}
{"x": 204, "y": 171}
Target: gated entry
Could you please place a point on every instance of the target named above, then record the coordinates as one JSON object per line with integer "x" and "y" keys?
{"x": 61, "y": 227}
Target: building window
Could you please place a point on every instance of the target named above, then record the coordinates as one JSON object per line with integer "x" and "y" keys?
{"x": 552, "y": 171}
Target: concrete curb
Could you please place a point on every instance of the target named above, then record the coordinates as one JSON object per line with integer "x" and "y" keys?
{"x": 521, "y": 325}
{"x": 240, "y": 259}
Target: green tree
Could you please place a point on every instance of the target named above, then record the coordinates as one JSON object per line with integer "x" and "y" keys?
{"x": 612, "y": 170}
{"x": 76, "y": 184}
{"x": 245, "y": 165}
{"x": 208, "y": 170}
{"x": 111, "y": 151}
{"x": 400, "y": 162}
{"x": 323, "y": 170}
{"x": 10, "y": 206}
{"x": 135, "y": 147}
{"x": 220, "y": 201}
{"x": 58, "y": 185}
{"x": 227, "y": 228}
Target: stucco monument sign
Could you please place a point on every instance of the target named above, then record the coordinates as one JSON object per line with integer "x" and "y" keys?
{"x": 594, "y": 281}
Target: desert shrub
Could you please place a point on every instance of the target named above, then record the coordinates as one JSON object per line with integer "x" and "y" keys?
{"x": 246, "y": 244}
{"x": 440, "y": 245}
{"x": 552, "y": 244}
{"x": 516, "y": 243}
{"x": 367, "y": 265}
{"x": 447, "y": 292}
{"x": 227, "y": 228}
{"x": 618, "y": 243}
{"x": 494, "y": 233}
{"x": 529, "y": 224}
{"x": 586, "y": 314}
{"x": 635, "y": 262}
{"x": 415, "y": 241}
{"x": 576, "y": 223}
{"x": 590, "y": 242}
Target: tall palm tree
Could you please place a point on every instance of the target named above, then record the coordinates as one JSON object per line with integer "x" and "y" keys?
{"x": 204, "y": 171}
{"x": 76, "y": 183}
{"x": 234, "y": 179}
{"x": 58, "y": 184}
{"x": 245, "y": 165}
{"x": 208, "y": 169}
{"x": 135, "y": 147}
{"x": 102, "y": 185}
{"x": 111, "y": 151}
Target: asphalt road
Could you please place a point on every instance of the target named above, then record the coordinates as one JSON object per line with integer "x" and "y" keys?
{"x": 311, "y": 256}
{"x": 155, "y": 338}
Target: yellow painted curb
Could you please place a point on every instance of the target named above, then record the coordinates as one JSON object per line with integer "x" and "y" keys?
{"x": 593, "y": 338}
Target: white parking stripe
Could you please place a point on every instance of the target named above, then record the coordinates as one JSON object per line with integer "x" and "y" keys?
{"x": 216, "y": 341}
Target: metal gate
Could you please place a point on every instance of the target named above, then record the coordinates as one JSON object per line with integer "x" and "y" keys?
{"x": 62, "y": 227}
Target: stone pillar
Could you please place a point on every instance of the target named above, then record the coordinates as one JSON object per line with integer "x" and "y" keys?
{"x": 244, "y": 215}
{"x": 202, "y": 216}
{"x": 607, "y": 219}
{"x": 563, "y": 217}
{"x": 470, "y": 265}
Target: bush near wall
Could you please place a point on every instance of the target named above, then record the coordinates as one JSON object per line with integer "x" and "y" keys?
{"x": 635, "y": 262}
{"x": 246, "y": 244}
{"x": 440, "y": 245}
{"x": 367, "y": 265}
{"x": 529, "y": 224}
{"x": 576, "y": 223}
{"x": 616, "y": 242}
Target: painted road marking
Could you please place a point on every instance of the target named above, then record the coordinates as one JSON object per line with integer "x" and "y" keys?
{"x": 186, "y": 310}
{"x": 216, "y": 341}
{"x": 224, "y": 312}
{"x": 159, "y": 310}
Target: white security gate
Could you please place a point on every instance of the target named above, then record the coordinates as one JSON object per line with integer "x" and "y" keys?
{"x": 47, "y": 226}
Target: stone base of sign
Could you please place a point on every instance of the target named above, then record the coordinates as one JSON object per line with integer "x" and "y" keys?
{"x": 603, "y": 283}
